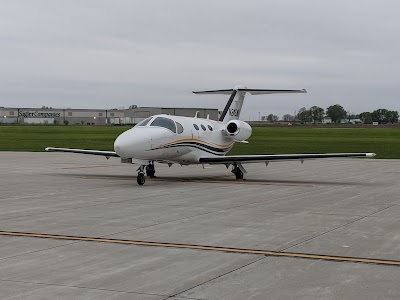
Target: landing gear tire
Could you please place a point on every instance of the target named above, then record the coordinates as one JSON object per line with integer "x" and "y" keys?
{"x": 238, "y": 173}
{"x": 150, "y": 171}
{"x": 141, "y": 178}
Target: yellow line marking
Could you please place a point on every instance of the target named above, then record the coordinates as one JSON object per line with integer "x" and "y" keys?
{"x": 210, "y": 248}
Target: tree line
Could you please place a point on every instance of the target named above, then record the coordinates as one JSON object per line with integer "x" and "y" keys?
{"x": 382, "y": 116}
{"x": 337, "y": 113}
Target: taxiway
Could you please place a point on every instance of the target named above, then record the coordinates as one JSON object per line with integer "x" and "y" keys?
{"x": 86, "y": 207}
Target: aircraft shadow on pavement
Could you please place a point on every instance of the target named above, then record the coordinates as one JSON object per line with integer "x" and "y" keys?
{"x": 223, "y": 179}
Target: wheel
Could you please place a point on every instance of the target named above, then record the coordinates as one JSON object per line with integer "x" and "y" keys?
{"x": 140, "y": 178}
{"x": 239, "y": 174}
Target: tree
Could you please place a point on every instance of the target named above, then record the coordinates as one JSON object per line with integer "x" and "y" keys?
{"x": 392, "y": 116}
{"x": 336, "y": 113}
{"x": 317, "y": 113}
{"x": 366, "y": 117}
{"x": 380, "y": 115}
{"x": 272, "y": 118}
{"x": 288, "y": 118}
{"x": 304, "y": 115}
{"x": 348, "y": 116}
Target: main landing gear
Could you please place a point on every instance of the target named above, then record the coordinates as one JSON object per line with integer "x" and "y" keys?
{"x": 150, "y": 171}
{"x": 237, "y": 171}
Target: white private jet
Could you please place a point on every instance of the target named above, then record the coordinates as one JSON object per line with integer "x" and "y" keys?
{"x": 185, "y": 141}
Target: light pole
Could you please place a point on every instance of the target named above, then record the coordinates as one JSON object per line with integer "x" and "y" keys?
{"x": 259, "y": 118}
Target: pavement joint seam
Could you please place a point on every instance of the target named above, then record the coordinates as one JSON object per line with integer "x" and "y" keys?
{"x": 147, "y": 226}
{"x": 211, "y": 212}
{"x": 86, "y": 206}
{"x": 82, "y": 287}
{"x": 216, "y": 277}
{"x": 339, "y": 227}
{"x": 39, "y": 250}
{"x": 70, "y": 208}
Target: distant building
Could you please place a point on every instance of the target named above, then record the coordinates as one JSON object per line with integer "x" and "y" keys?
{"x": 95, "y": 116}
{"x": 355, "y": 120}
{"x": 327, "y": 120}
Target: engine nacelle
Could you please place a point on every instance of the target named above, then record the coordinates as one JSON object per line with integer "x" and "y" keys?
{"x": 238, "y": 130}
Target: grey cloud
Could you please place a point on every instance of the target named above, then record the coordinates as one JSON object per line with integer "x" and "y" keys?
{"x": 118, "y": 53}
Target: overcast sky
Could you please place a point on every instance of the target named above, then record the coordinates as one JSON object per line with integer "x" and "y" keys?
{"x": 106, "y": 54}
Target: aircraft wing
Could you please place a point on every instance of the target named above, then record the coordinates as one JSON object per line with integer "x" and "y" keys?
{"x": 276, "y": 157}
{"x": 83, "y": 151}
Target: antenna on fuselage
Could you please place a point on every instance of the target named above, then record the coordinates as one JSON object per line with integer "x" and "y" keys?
{"x": 197, "y": 114}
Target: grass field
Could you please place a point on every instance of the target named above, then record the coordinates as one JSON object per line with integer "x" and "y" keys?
{"x": 383, "y": 141}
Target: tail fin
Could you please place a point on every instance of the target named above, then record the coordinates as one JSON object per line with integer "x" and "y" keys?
{"x": 234, "y": 106}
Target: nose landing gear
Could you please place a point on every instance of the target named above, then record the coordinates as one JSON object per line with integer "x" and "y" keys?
{"x": 140, "y": 177}
{"x": 150, "y": 171}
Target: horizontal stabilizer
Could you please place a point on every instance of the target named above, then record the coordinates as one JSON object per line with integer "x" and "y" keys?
{"x": 251, "y": 91}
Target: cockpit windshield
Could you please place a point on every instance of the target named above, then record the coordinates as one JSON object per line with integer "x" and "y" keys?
{"x": 164, "y": 122}
{"x": 144, "y": 122}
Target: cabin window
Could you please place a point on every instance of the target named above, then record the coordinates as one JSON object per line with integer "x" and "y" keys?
{"x": 203, "y": 127}
{"x": 179, "y": 127}
{"x": 144, "y": 122}
{"x": 164, "y": 122}
{"x": 196, "y": 127}
{"x": 210, "y": 127}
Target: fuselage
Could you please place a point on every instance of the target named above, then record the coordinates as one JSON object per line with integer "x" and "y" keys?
{"x": 174, "y": 139}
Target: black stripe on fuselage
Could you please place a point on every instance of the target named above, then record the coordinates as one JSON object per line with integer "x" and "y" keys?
{"x": 205, "y": 146}
{"x": 194, "y": 145}
{"x": 228, "y": 105}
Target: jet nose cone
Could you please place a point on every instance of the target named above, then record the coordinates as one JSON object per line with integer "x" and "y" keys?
{"x": 123, "y": 145}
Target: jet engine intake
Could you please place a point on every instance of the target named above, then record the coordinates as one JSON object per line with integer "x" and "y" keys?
{"x": 238, "y": 130}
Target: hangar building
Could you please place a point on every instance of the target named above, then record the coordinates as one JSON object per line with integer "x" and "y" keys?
{"x": 95, "y": 116}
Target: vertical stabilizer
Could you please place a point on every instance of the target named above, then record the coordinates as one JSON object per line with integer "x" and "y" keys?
{"x": 234, "y": 106}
